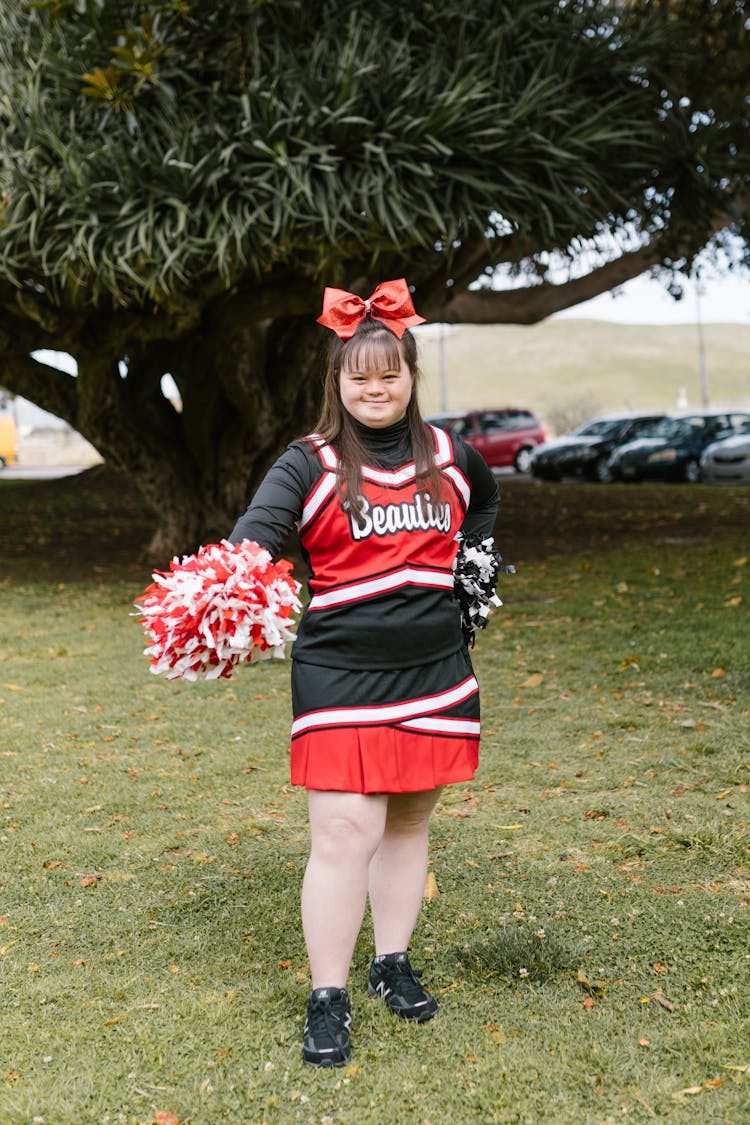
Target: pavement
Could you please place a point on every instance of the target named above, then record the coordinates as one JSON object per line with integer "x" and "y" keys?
{"x": 38, "y": 472}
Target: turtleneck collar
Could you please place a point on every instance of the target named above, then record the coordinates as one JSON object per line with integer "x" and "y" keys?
{"x": 382, "y": 435}
{"x": 388, "y": 445}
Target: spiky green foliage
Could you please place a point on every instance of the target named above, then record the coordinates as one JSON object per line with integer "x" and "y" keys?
{"x": 179, "y": 179}
{"x": 153, "y": 148}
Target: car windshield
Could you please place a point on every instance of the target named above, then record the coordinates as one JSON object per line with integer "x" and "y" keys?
{"x": 603, "y": 427}
{"x": 648, "y": 427}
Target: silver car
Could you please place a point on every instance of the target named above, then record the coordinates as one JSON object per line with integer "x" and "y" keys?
{"x": 728, "y": 460}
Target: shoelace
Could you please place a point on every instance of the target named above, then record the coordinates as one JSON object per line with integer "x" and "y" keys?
{"x": 325, "y": 1018}
{"x": 409, "y": 985}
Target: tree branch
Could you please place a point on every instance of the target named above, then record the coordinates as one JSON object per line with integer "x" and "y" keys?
{"x": 49, "y": 388}
{"x": 532, "y": 303}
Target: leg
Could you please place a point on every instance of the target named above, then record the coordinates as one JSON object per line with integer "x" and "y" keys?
{"x": 398, "y": 869}
{"x": 345, "y": 830}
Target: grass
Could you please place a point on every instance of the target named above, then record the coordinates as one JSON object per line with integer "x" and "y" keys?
{"x": 589, "y": 942}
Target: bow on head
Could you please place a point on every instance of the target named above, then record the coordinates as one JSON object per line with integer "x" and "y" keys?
{"x": 390, "y": 303}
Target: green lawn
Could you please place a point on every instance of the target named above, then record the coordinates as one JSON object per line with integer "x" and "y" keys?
{"x": 589, "y": 943}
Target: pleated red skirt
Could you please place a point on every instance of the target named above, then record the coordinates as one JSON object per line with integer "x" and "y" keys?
{"x": 385, "y": 731}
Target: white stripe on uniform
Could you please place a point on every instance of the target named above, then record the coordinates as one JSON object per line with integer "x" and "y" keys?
{"x": 357, "y": 716}
{"x": 371, "y": 587}
{"x": 438, "y": 725}
{"x": 317, "y": 498}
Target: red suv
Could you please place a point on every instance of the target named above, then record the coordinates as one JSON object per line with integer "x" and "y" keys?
{"x": 503, "y": 437}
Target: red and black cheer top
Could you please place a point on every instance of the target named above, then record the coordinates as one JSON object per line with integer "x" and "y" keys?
{"x": 381, "y": 585}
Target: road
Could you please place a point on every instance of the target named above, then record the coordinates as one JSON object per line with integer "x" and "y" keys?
{"x": 38, "y": 472}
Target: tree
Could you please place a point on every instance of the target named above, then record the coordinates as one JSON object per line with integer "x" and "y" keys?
{"x": 180, "y": 179}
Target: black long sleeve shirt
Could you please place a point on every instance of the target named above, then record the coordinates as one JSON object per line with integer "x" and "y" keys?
{"x": 364, "y": 635}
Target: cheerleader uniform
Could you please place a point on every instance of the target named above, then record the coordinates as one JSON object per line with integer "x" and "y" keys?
{"x": 384, "y": 697}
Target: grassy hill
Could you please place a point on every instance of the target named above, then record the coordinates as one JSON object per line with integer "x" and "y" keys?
{"x": 567, "y": 370}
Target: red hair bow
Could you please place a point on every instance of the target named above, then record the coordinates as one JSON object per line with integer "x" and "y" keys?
{"x": 390, "y": 303}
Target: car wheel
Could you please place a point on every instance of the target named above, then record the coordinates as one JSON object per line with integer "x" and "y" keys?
{"x": 692, "y": 471}
{"x": 602, "y": 471}
{"x": 522, "y": 460}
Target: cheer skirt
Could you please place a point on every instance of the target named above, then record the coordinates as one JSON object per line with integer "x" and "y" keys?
{"x": 385, "y": 731}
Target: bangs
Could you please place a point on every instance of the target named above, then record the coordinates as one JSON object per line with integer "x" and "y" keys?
{"x": 371, "y": 351}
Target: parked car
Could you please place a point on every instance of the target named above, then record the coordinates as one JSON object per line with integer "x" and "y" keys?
{"x": 728, "y": 459}
{"x": 585, "y": 451}
{"x": 503, "y": 437}
{"x": 674, "y": 449}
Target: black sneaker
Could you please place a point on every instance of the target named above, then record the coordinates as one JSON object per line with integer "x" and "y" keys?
{"x": 393, "y": 979}
{"x": 329, "y": 1019}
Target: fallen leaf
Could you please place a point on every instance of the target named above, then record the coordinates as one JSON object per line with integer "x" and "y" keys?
{"x": 661, "y": 999}
{"x": 644, "y": 1042}
{"x": 740, "y": 562}
{"x": 711, "y": 1084}
{"x": 431, "y": 888}
{"x": 534, "y": 680}
{"x": 14, "y": 687}
{"x": 90, "y": 880}
{"x": 659, "y": 968}
{"x": 116, "y": 1019}
{"x": 735, "y": 601}
{"x": 589, "y": 1002}
{"x": 718, "y": 674}
{"x": 724, "y": 793}
{"x": 164, "y": 1117}
{"x": 593, "y": 987}
{"x": 285, "y": 964}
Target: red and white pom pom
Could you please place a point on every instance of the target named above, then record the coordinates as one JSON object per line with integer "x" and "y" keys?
{"x": 227, "y": 604}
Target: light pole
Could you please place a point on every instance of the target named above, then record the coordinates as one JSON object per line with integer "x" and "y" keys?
{"x": 442, "y": 369}
{"x": 702, "y": 370}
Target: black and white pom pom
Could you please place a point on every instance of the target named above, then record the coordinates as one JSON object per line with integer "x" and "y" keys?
{"x": 476, "y": 570}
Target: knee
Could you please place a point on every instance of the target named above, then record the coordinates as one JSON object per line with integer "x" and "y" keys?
{"x": 410, "y": 816}
{"x": 346, "y": 837}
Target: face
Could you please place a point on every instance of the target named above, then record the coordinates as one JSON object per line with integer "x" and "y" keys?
{"x": 377, "y": 398}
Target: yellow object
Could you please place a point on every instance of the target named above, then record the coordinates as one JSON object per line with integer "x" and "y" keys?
{"x": 8, "y": 441}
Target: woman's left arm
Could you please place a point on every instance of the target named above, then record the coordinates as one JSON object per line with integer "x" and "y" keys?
{"x": 480, "y": 516}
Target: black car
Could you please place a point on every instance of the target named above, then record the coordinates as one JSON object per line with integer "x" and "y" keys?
{"x": 585, "y": 451}
{"x": 673, "y": 450}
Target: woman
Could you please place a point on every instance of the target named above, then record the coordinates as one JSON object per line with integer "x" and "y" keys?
{"x": 386, "y": 706}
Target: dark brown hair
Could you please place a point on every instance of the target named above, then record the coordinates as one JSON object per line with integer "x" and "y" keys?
{"x": 373, "y": 347}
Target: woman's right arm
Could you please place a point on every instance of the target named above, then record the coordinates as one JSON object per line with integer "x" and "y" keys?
{"x": 277, "y": 505}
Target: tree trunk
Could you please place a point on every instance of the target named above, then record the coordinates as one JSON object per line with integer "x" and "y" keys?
{"x": 247, "y": 390}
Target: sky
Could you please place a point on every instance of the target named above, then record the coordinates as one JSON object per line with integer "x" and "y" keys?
{"x": 640, "y": 301}
{"x": 724, "y": 300}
